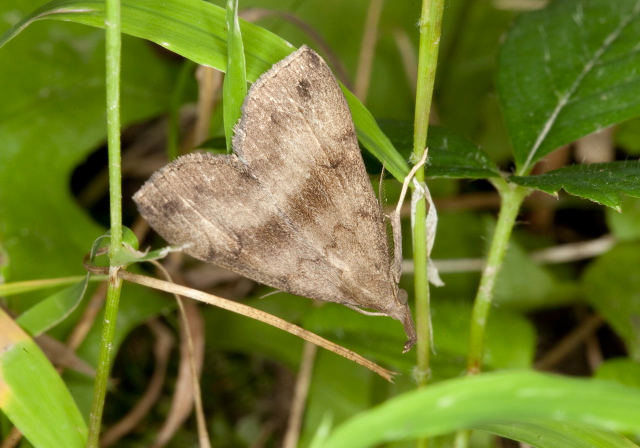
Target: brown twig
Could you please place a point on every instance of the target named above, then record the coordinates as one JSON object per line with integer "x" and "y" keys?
{"x": 161, "y": 349}
{"x": 210, "y": 83}
{"x": 574, "y": 251}
{"x": 367, "y": 51}
{"x": 564, "y": 253}
{"x": 300, "y": 396}
{"x": 593, "y": 351}
{"x": 63, "y": 356}
{"x": 88, "y": 318}
{"x": 187, "y": 390}
{"x": 246, "y": 311}
{"x": 408, "y": 56}
{"x": 569, "y": 342}
{"x": 13, "y": 439}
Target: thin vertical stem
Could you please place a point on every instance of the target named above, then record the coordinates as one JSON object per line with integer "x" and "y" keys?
{"x": 512, "y": 197}
{"x": 430, "y": 31}
{"x": 113, "y": 48}
{"x": 104, "y": 357}
{"x": 234, "y": 88}
{"x": 430, "y": 26}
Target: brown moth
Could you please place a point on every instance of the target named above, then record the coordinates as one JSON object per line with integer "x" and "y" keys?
{"x": 292, "y": 207}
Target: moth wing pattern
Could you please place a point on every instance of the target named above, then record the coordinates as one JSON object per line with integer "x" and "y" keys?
{"x": 182, "y": 202}
{"x": 293, "y": 207}
{"x": 300, "y": 141}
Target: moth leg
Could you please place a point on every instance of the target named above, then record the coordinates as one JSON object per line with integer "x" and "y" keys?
{"x": 361, "y": 311}
{"x": 277, "y": 291}
{"x": 403, "y": 315}
{"x": 394, "y": 219}
{"x": 382, "y": 197}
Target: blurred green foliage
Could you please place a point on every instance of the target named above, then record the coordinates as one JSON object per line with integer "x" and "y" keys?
{"x": 52, "y": 132}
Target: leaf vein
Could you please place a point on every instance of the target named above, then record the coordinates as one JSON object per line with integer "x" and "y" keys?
{"x": 564, "y": 99}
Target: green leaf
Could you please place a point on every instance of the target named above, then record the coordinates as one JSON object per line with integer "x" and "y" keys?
{"x": 600, "y": 182}
{"x": 129, "y": 238}
{"x": 627, "y": 136}
{"x": 139, "y": 304}
{"x": 126, "y": 254}
{"x": 178, "y": 25}
{"x": 451, "y": 336}
{"x": 519, "y": 269}
{"x": 625, "y": 225}
{"x": 322, "y": 432}
{"x": 52, "y": 310}
{"x": 566, "y": 71}
{"x": 452, "y": 156}
{"x": 32, "y": 393}
{"x": 233, "y": 332}
{"x": 501, "y": 397}
{"x": 381, "y": 338}
{"x": 125, "y": 257}
{"x": 178, "y": 97}
{"x": 622, "y": 370}
{"x": 471, "y": 36}
{"x": 373, "y": 138}
{"x": 611, "y": 285}
{"x": 52, "y": 118}
{"x": 235, "y": 81}
{"x": 556, "y": 434}
{"x": 236, "y": 334}
{"x": 9, "y": 289}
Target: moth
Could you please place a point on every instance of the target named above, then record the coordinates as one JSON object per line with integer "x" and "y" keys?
{"x": 292, "y": 207}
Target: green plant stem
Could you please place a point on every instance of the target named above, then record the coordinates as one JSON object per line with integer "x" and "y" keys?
{"x": 104, "y": 358}
{"x": 234, "y": 88}
{"x": 421, "y": 285}
{"x": 462, "y": 439}
{"x": 113, "y": 46}
{"x": 512, "y": 197}
{"x": 430, "y": 25}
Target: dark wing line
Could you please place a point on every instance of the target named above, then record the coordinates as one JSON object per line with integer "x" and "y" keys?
{"x": 303, "y": 239}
